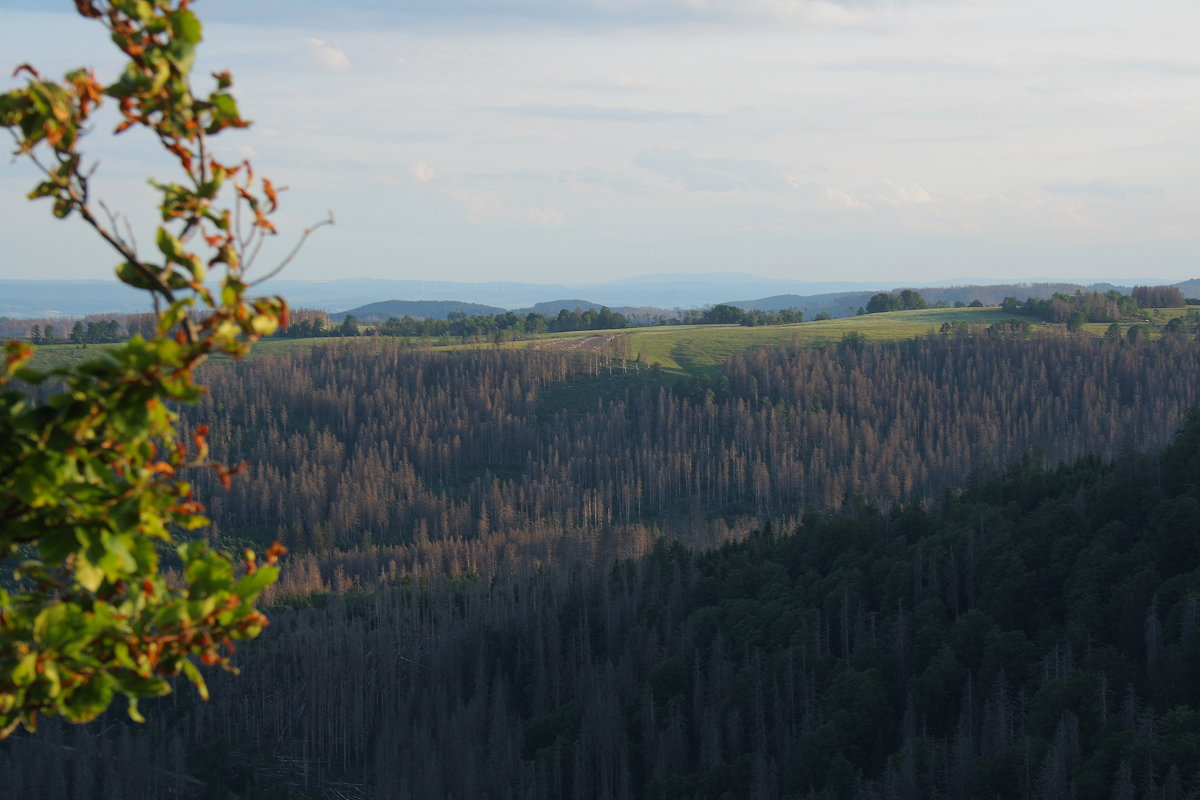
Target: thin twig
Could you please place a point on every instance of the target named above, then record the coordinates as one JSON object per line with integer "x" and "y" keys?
{"x": 9, "y": 728}
{"x": 129, "y": 232}
{"x": 115, "y": 222}
{"x": 200, "y": 137}
{"x": 237, "y": 221}
{"x": 248, "y": 259}
{"x": 303, "y": 237}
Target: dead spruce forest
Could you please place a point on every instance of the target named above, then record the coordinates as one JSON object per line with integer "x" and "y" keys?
{"x": 957, "y": 566}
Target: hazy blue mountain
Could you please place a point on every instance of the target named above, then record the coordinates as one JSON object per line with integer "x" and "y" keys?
{"x": 41, "y": 298}
{"x": 838, "y": 304}
{"x": 551, "y": 307}
{"x": 33, "y": 298}
{"x": 28, "y": 298}
{"x": 1190, "y": 288}
{"x": 354, "y": 292}
{"x": 426, "y": 309}
{"x": 847, "y": 303}
{"x": 658, "y": 291}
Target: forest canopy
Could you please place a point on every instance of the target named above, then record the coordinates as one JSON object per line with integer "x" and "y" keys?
{"x": 1032, "y": 636}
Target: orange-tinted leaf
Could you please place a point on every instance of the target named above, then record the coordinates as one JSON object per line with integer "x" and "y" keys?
{"x": 269, "y": 191}
{"x": 275, "y": 552}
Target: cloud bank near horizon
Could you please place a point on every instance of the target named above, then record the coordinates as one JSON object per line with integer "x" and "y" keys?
{"x": 915, "y": 139}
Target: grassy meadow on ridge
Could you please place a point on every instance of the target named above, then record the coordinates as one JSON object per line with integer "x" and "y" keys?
{"x": 692, "y": 350}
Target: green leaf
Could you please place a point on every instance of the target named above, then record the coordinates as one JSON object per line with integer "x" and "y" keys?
{"x": 174, "y": 313}
{"x": 177, "y": 281}
{"x": 52, "y": 686}
{"x": 264, "y": 324}
{"x": 43, "y": 189}
{"x": 230, "y": 293}
{"x": 122, "y": 657}
{"x": 87, "y": 701}
{"x": 195, "y": 265}
{"x": 29, "y": 375}
{"x": 205, "y": 605}
{"x": 195, "y": 677}
{"x": 52, "y": 624}
{"x": 162, "y": 74}
{"x": 134, "y": 714}
{"x": 168, "y": 244}
{"x": 89, "y": 575}
{"x": 57, "y": 544}
{"x": 142, "y": 9}
{"x": 182, "y": 55}
{"x": 114, "y": 556}
{"x": 136, "y": 685}
{"x": 25, "y": 670}
{"x": 134, "y": 276}
{"x": 171, "y": 615}
{"x": 186, "y": 26}
{"x": 250, "y": 585}
{"x": 224, "y": 103}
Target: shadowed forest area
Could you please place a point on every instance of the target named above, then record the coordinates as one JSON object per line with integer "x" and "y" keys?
{"x": 388, "y": 460}
{"x": 956, "y": 566}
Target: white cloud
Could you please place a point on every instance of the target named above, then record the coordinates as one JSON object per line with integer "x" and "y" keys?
{"x": 912, "y": 195}
{"x": 1047, "y": 213}
{"x": 699, "y": 174}
{"x": 694, "y": 132}
{"x": 1109, "y": 189}
{"x": 579, "y": 13}
{"x": 545, "y": 216}
{"x": 326, "y": 55}
{"x": 423, "y": 172}
{"x": 484, "y": 207}
{"x": 809, "y": 12}
{"x": 232, "y": 154}
{"x": 843, "y": 201}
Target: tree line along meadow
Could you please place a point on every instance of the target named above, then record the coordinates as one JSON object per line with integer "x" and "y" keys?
{"x": 1157, "y": 305}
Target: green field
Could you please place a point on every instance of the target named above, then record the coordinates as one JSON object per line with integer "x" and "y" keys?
{"x": 51, "y": 356}
{"x": 696, "y": 349}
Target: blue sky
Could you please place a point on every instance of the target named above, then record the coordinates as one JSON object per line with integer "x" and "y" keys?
{"x": 559, "y": 141}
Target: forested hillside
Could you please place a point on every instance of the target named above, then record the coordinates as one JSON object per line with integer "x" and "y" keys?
{"x": 1034, "y": 636}
{"x": 470, "y": 460}
{"x": 550, "y": 574}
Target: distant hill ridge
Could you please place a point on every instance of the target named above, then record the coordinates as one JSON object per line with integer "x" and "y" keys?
{"x": 441, "y": 309}
{"x": 647, "y": 294}
{"x": 418, "y": 309}
{"x": 843, "y": 304}
{"x": 551, "y": 307}
{"x": 836, "y": 304}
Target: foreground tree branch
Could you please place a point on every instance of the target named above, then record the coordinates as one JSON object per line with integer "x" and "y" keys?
{"x": 91, "y": 475}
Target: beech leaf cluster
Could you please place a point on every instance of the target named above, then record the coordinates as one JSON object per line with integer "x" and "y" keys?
{"x": 109, "y": 595}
